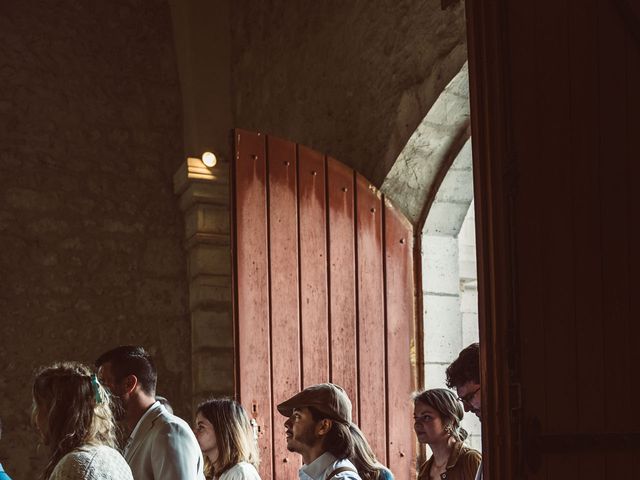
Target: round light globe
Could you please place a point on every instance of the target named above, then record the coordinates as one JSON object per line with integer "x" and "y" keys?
{"x": 209, "y": 159}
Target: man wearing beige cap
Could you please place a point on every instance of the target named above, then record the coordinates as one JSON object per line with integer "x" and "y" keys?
{"x": 318, "y": 429}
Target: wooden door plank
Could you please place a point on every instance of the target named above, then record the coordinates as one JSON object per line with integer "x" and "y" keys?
{"x": 400, "y": 319}
{"x": 633, "y": 126}
{"x": 283, "y": 262}
{"x": 527, "y": 219}
{"x": 552, "y": 111}
{"x": 615, "y": 193}
{"x": 313, "y": 267}
{"x": 342, "y": 279}
{"x": 311, "y": 299}
{"x": 371, "y": 328}
{"x": 587, "y": 271}
{"x": 252, "y": 287}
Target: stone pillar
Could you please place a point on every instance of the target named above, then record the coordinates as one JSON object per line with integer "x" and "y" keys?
{"x": 204, "y": 200}
{"x": 441, "y": 300}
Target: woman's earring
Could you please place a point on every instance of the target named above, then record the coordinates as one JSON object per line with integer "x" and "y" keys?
{"x": 448, "y": 430}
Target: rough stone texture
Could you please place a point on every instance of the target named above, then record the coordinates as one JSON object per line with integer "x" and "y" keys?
{"x": 203, "y": 49}
{"x": 351, "y": 79}
{"x": 91, "y": 249}
{"x": 429, "y": 152}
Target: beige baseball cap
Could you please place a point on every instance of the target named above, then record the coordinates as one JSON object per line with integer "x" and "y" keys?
{"x": 328, "y": 398}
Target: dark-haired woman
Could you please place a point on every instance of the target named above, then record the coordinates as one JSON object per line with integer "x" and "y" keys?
{"x": 436, "y": 420}
{"x": 226, "y": 437}
{"x": 72, "y": 412}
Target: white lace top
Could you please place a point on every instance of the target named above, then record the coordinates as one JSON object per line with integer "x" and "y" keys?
{"x": 92, "y": 462}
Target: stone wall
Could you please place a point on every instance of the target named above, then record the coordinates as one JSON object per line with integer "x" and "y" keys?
{"x": 91, "y": 235}
{"x": 352, "y": 79}
{"x": 449, "y": 279}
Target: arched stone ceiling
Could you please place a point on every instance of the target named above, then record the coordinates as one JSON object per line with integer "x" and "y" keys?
{"x": 455, "y": 194}
{"x": 351, "y": 79}
{"x": 414, "y": 178}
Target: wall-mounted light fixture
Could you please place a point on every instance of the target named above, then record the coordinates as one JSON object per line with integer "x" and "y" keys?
{"x": 209, "y": 159}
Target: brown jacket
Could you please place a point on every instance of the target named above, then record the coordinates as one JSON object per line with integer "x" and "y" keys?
{"x": 463, "y": 464}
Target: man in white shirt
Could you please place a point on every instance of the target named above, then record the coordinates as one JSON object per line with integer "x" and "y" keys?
{"x": 161, "y": 446}
{"x": 318, "y": 429}
{"x": 464, "y": 375}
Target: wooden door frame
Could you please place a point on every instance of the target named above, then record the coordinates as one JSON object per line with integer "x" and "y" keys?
{"x": 494, "y": 186}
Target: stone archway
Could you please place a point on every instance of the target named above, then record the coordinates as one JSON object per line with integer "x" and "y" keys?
{"x": 432, "y": 182}
{"x": 416, "y": 175}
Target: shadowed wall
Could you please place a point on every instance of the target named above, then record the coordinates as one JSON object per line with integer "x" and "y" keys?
{"x": 90, "y": 233}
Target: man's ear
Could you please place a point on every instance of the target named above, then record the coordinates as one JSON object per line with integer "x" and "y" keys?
{"x": 130, "y": 383}
{"x": 323, "y": 426}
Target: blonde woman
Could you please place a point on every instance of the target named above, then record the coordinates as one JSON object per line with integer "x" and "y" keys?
{"x": 225, "y": 435}
{"x": 72, "y": 412}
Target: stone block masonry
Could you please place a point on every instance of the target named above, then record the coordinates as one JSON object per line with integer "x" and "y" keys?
{"x": 204, "y": 199}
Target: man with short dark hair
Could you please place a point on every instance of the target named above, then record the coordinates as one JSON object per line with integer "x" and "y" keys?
{"x": 3, "y": 475}
{"x": 464, "y": 375}
{"x": 161, "y": 446}
{"x": 318, "y": 429}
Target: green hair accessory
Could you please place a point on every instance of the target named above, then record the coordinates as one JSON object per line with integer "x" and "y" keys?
{"x": 95, "y": 385}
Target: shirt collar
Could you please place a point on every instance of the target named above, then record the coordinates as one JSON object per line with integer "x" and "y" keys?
{"x": 317, "y": 468}
{"x": 455, "y": 454}
{"x": 453, "y": 457}
{"x": 153, "y": 407}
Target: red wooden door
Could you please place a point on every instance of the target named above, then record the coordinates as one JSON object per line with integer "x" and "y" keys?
{"x": 323, "y": 269}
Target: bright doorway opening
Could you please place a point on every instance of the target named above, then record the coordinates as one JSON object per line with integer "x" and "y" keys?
{"x": 450, "y": 280}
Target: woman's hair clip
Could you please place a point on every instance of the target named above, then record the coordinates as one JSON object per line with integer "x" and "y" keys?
{"x": 95, "y": 385}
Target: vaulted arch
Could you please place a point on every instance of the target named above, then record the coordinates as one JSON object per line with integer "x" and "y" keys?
{"x": 418, "y": 171}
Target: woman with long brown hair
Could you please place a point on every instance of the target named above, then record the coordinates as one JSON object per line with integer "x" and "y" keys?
{"x": 436, "y": 420}
{"x": 226, "y": 437}
{"x": 72, "y": 412}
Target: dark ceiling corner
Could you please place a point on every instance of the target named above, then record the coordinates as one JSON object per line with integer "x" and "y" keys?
{"x": 447, "y": 3}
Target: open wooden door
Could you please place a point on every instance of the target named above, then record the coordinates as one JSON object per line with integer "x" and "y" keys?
{"x": 324, "y": 288}
{"x": 555, "y": 124}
